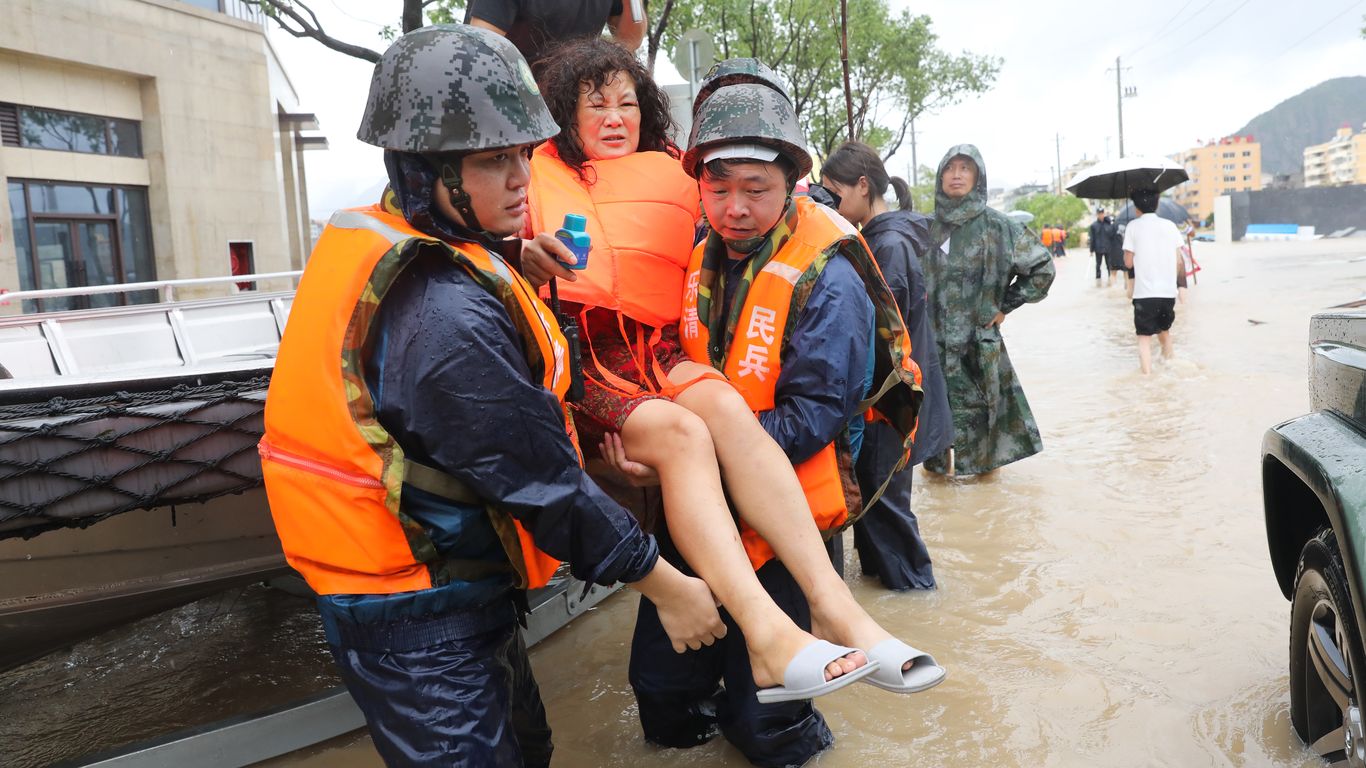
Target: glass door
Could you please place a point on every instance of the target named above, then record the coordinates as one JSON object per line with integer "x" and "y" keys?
{"x": 99, "y": 263}
{"x": 55, "y": 247}
{"x": 73, "y": 253}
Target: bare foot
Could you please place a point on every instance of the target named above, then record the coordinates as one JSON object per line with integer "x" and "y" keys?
{"x": 840, "y": 619}
{"x": 772, "y": 649}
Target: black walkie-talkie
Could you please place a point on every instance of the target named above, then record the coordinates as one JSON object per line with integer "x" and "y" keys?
{"x": 570, "y": 328}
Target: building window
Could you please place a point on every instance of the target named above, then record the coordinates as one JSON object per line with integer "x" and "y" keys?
{"x": 35, "y": 128}
{"x": 1247, "y": 153}
{"x": 1247, "y": 178}
{"x": 76, "y": 235}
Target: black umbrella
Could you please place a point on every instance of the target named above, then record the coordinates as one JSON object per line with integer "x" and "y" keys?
{"x": 1117, "y": 179}
{"x": 1166, "y": 208}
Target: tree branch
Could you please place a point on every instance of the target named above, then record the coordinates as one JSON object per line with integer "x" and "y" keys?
{"x": 282, "y": 10}
{"x": 657, "y": 34}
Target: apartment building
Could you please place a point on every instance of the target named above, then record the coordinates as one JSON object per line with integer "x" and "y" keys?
{"x": 1230, "y": 164}
{"x": 1338, "y": 161}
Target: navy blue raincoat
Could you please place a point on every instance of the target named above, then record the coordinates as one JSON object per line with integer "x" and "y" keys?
{"x": 887, "y": 537}
{"x": 442, "y": 674}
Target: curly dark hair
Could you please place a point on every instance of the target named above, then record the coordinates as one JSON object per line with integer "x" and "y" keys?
{"x": 594, "y": 61}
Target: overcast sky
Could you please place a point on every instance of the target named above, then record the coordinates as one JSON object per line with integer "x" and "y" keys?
{"x": 1202, "y": 68}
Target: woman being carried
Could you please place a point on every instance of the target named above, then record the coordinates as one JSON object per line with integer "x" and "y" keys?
{"x": 614, "y": 163}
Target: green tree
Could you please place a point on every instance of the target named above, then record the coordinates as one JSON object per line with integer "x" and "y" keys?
{"x": 1049, "y": 209}
{"x": 896, "y": 70}
{"x": 922, "y": 194}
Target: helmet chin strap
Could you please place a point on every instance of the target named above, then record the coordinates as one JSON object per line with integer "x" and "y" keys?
{"x": 460, "y": 199}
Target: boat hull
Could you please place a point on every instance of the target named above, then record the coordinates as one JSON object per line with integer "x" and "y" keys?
{"x": 66, "y": 585}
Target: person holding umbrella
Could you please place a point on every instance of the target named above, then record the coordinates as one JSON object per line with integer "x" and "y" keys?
{"x": 1123, "y": 177}
{"x": 1152, "y": 249}
{"x": 982, "y": 266}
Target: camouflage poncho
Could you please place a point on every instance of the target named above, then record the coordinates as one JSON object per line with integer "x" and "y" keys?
{"x": 982, "y": 263}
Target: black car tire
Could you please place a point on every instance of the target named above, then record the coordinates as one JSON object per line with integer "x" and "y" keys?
{"x": 1326, "y": 656}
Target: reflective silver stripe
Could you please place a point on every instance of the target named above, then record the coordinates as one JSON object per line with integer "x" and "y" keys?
{"x": 785, "y": 271}
{"x": 358, "y": 220}
{"x": 500, "y": 267}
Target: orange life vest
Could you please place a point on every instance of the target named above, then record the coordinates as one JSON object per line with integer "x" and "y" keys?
{"x": 1047, "y": 236}
{"x": 333, "y": 474}
{"x": 642, "y": 214}
{"x": 754, "y": 360}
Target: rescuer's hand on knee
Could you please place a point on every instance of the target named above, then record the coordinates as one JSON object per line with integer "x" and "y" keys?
{"x": 614, "y": 454}
{"x": 544, "y": 257}
{"x": 687, "y": 608}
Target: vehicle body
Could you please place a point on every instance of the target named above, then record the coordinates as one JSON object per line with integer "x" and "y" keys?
{"x": 130, "y": 482}
{"x": 1314, "y": 497}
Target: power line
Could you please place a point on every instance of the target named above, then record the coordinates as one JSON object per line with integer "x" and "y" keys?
{"x": 353, "y": 17}
{"x": 1317, "y": 30}
{"x": 1158, "y": 34}
{"x": 1213, "y": 26}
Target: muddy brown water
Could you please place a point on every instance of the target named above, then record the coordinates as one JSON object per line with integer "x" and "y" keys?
{"x": 1109, "y": 602}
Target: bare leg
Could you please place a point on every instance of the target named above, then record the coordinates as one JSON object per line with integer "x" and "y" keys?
{"x": 675, "y": 442}
{"x": 770, "y": 499}
{"x": 1145, "y": 354}
{"x": 1165, "y": 339}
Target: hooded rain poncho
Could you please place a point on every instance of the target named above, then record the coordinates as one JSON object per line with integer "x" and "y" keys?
{"x": 981, "y": 263}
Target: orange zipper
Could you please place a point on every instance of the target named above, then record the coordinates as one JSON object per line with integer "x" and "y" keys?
{"x": 271, "y": 453}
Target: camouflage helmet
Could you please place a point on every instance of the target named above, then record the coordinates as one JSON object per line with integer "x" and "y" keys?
{"x": 734, "y": 72}
{"x": 453, "y": 88}
{"x": 746, "y": 114}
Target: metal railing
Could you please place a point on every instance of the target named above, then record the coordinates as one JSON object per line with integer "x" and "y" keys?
{"x": 165, "y": 287}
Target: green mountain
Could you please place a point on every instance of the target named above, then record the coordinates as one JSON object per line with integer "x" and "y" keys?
{"x": 1312, "y": 117}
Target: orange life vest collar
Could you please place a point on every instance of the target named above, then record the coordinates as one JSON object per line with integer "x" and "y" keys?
{"x": 754, "y": 359}
{"x": 333, "y": 474}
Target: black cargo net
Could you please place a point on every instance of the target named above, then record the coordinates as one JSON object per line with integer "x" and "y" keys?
{"x": 71, "y": 463}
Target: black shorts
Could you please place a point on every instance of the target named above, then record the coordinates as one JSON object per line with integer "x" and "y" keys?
{"x": 1153, "y": 315}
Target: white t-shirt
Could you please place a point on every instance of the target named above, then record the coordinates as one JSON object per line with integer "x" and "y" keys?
{"x": 1155, "y": 243}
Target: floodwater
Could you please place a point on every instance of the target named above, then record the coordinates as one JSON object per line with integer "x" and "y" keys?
{"x": 1108, "y": 602}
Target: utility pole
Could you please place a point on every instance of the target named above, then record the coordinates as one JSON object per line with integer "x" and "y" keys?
{"x": 1121, "y": 93}
{"x": 1119, "y": 102}
{"x": 915, "y": 164}
{"x": 1057, "y": 146}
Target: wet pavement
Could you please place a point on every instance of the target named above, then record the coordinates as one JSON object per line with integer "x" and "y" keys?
{"x": 1108, "y": 602}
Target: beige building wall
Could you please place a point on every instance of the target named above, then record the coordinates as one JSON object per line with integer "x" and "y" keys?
{"x": 1339, "y": 161}
{"x": 1231, "y": 164}
{"x": 217, "y": 158}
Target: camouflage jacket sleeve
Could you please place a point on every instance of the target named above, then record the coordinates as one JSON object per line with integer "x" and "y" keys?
{"x": 1031, "y": 270}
